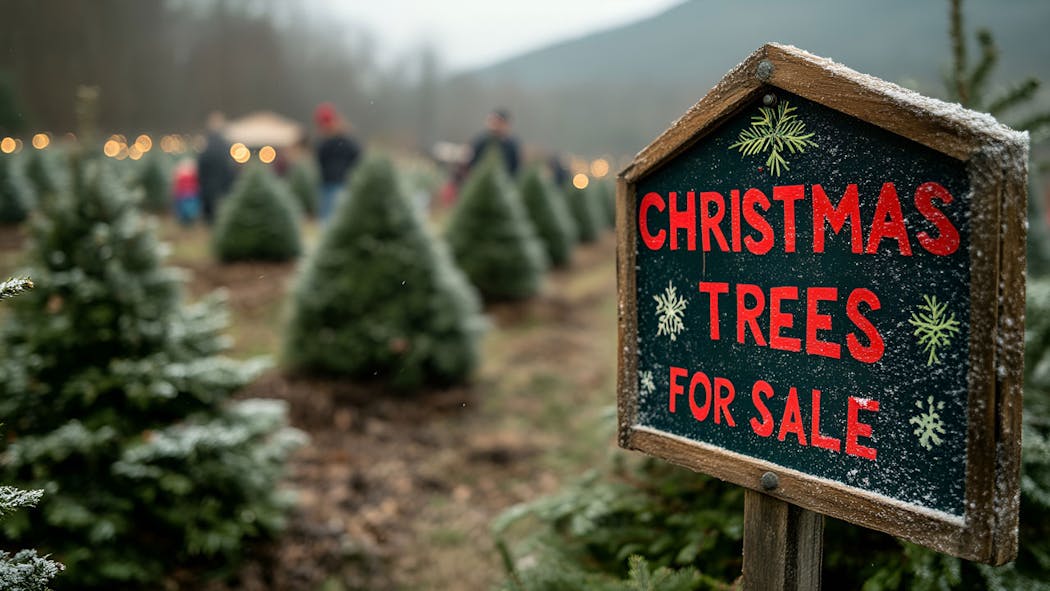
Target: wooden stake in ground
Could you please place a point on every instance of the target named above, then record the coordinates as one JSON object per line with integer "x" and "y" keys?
{"x": 783, "y": 545}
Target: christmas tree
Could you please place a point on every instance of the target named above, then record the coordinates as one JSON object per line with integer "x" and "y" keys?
{"x": 622, "y": 516}
{"x": 258, "y": 221}
{"x": 42, "y": 173}
{"x": 24, "y": 570}
{"x": 586, "y": 213}
{"x": 549, "y": 215}
{"x": 116, "y": 398}
{"x": 303, "y": 181}
{"x": 152, "y": 179}
{"x": 604, "y": 195}
{"x": 380, "y": 298}
{"x": 16, "y": 194}
{"x": 491, "y": 236}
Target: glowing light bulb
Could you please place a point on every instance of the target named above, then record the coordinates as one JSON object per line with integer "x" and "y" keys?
{"x": 267, "y": 154}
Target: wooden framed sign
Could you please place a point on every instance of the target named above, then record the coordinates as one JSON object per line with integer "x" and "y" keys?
{"x": 821, "y": 284}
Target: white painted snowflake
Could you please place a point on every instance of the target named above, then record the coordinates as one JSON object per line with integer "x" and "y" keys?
{"x": 648, "y": 386}
{"x": 928, "y": 425}
{"x": 670, "y": 310}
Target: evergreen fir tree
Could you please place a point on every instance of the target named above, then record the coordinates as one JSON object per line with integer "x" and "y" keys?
{"x": 14, "y": 286}
{"x": 586, "y": 213}
{"x": 605, "y": 197}
{"x": 969, "y": 85}
{"x": 42, "y": 173}
{"x": 549, "y": 215}
{"x": 303, "y": 181}
{"x": 24, "y": 570}
{"x": 491, "y": 236}
{"x": 16, "y": 194}
{"x": 116, "y": 397}
{"x": 670, "y": 517}
{"x": 380, "y": 298}
{"x": 152, "y": 179}
{"x": 258, "y": 221}
{"x": 560, "y": 575}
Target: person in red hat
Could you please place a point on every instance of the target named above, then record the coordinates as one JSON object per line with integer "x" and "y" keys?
{"x": 337, "y": 154}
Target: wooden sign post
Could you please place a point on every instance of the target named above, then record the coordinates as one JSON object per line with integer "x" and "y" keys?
{"x": 821, "y": 283}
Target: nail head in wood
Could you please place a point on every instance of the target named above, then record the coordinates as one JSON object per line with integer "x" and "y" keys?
{"x": 769, "y": 481}
{"x": 764, "y": 71}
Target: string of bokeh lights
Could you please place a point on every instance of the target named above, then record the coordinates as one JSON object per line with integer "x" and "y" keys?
{"x": 118, "y": 147}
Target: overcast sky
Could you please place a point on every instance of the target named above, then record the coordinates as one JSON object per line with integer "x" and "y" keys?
{"x": 471, "y": 33}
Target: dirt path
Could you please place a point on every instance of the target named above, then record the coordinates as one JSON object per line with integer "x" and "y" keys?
{"x": 397, "y": 492}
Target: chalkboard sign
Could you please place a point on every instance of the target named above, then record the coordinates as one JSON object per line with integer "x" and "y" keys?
{"x": 822, "y": 282}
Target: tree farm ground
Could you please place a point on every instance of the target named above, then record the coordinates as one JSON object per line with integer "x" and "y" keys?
{"x": 397, "y": 491}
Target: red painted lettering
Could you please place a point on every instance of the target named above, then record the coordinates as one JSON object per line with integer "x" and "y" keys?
{"x": 873, "y": 351}
{"x": 710, "y": 223}
{"x": 763, "y": 428}
{"x": 791, "y": 422}
{"x": 856, "y": 429}
{"x": 815, "y": 436}
{"x": 888, "y": 222}
{"x": 700, "y": 412}
{"x": 752, "y": 198}
{"x": 816, "y": 322}
{"x": 714, "y": 289}
{"x": 788, "y": 195}
{"x": 676, "y": 388}
{"x": 734, "y": 218}
{"x": 947, "y": 241}
{"x": 722, "y": 402}
{"x": 683, "y": 219}
{"x": 778, "y": 319}
{"x": 651, "y": 241}
{"x": 848, "y": 209}
{"x": 748, "y": 317}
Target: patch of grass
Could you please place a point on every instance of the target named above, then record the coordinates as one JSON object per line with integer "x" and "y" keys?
{"x": 550, "y": 384}
{"x": 447, "y": 536}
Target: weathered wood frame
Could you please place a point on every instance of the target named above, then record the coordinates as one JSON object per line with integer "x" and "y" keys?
{"x": 996, "y": 159}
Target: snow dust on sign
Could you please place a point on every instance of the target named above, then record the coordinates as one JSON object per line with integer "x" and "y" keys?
{"x": 803, "y": 299}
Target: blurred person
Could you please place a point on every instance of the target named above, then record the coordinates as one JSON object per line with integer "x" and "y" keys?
{"x": 497, "y": 135}
{"x": 559, "y": 174}
{"x": 214, "y": 167}
{"x": 186, "y": 192}
{"x": 337, "y": 154}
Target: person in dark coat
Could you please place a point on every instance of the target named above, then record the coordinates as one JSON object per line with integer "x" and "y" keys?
{"x": 337, "y": 154}
{"x": 559, "y": 174}
{"x": 214, "y": 169}
{"x": 496, "y": 134}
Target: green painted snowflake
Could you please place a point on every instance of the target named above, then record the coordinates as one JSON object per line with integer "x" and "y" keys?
{"x": 928, "y": 424}
{"x": 670, "y": 309}
{"x": 774, "y": 131}
{"x": 934, "y": 328}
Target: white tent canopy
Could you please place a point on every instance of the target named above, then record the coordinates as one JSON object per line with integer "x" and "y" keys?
{"x": 264, "y": 128}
